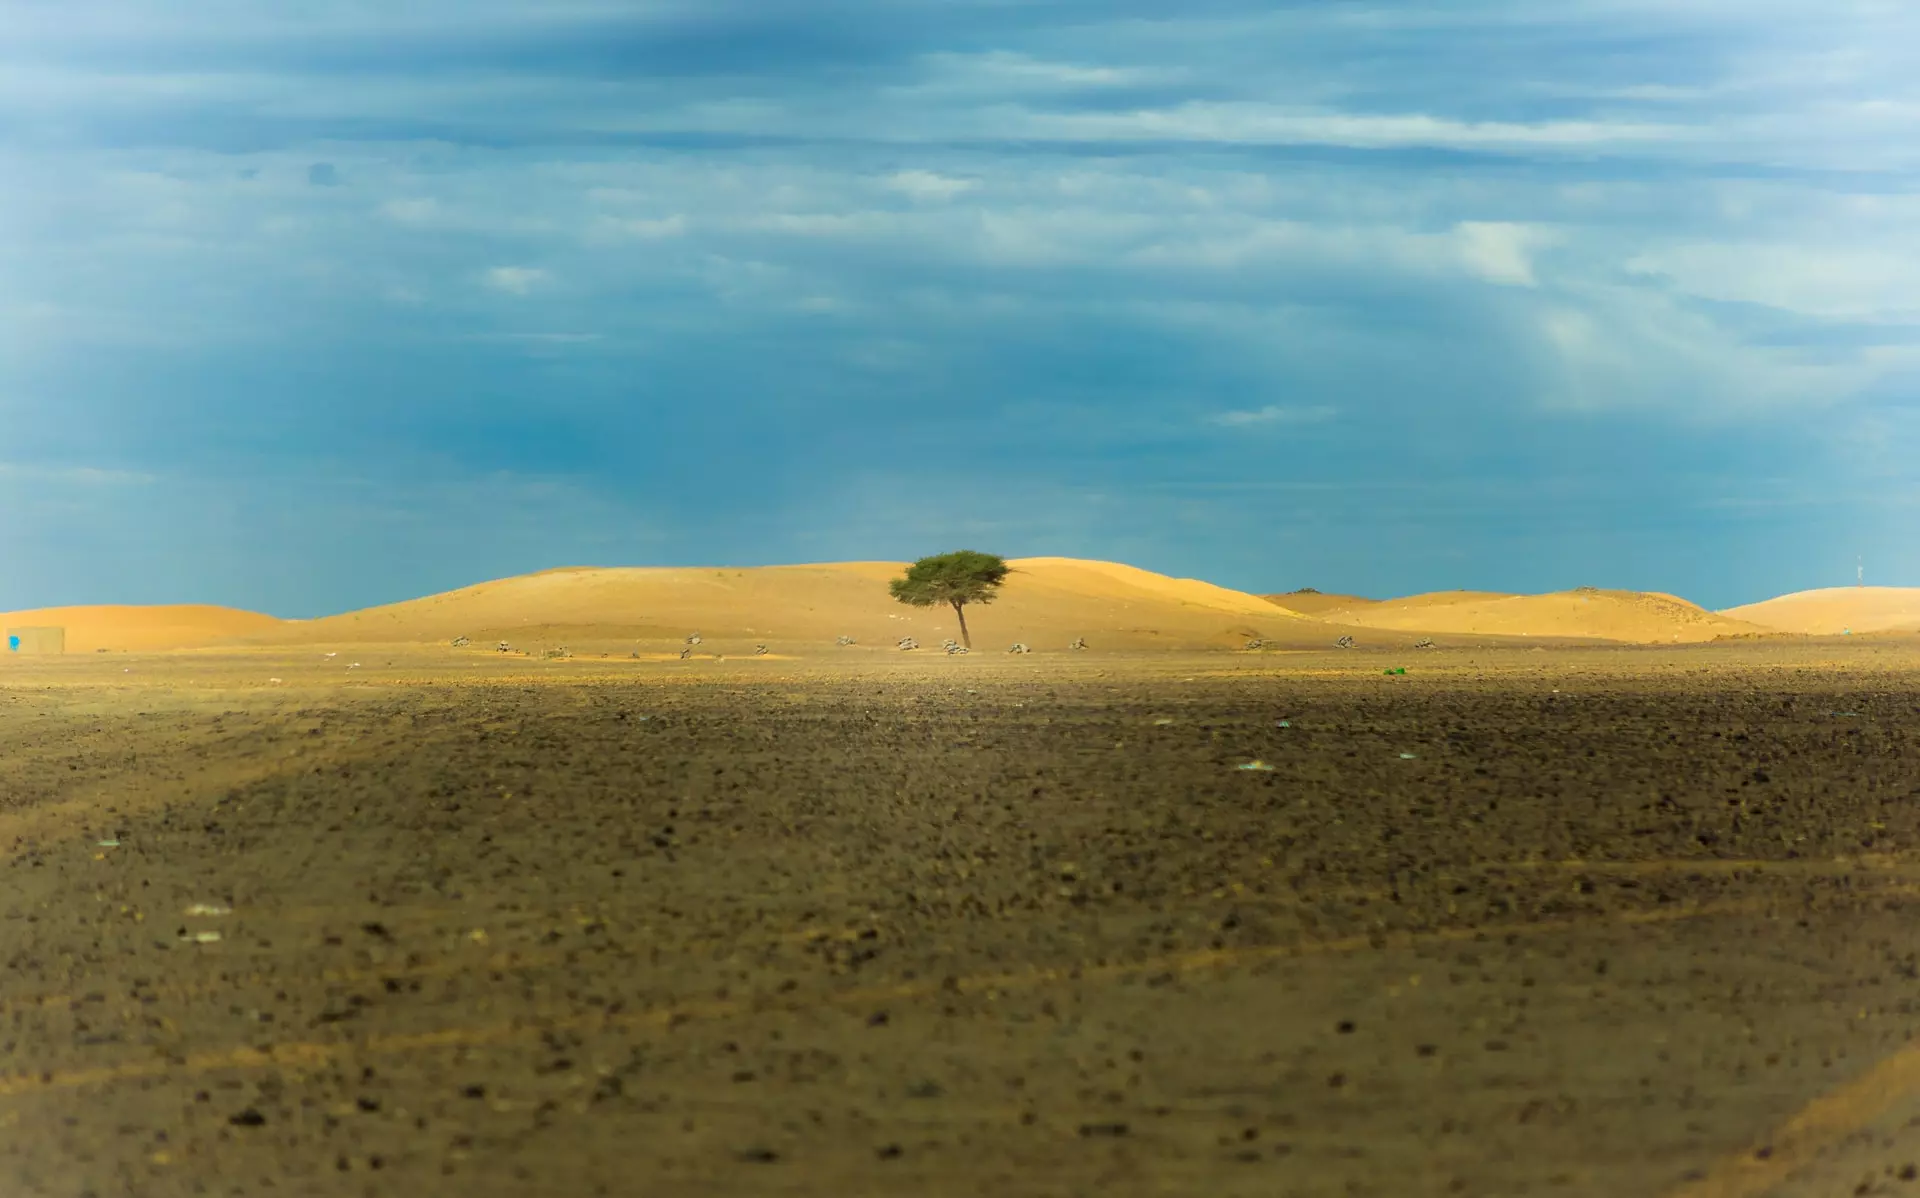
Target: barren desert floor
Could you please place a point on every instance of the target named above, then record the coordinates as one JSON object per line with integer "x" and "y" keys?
{"x": 1582, "y": 921}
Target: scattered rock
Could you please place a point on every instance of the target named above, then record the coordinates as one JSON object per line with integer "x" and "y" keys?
{"x": 461, "y": 642}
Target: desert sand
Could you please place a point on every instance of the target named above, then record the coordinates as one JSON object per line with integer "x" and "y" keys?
{"x": 1635, "y": 617}
{"x": 145, "y": 628}
{"x": 1317, "y": 603}
{"x": 1047, "y": 603}
{"x": 1831, "y": 611}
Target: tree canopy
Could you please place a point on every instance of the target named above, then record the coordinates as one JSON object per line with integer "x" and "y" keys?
{"x": 955, "y": 579}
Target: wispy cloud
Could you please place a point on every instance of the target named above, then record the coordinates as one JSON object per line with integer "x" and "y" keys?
{"x": 515, "y": 280}
{"x": 927, "y": 185}
{"x": 1273, "y": 414}
{"x": 539, "y": 338}
{"x": 1255, "y": 123}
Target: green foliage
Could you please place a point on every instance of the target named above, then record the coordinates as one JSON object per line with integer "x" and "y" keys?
{"x": 955, "y": 579}
{"x": 951, "y": 578}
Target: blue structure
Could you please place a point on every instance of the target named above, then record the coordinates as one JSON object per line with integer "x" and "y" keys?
{"x": 13, "y": 644}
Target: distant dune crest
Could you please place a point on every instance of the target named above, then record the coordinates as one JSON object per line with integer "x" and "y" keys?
{"x": 1047, "y": 603}
{"x": 1587, "y": 613}
{"x": 1831, "y": 611}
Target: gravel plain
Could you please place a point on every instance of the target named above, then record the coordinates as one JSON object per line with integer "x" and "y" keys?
{"x": 1607, "y": 922}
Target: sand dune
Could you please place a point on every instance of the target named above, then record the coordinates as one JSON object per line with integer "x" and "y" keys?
{"x": 144, "y": 629}
{"x": 1046, "y": 603}
{"x": 1316, "y": 603}
{"x": 1833, "y": 610}
{"x": 1640, "y": 617}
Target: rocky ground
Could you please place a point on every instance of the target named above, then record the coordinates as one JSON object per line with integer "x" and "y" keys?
{"x": 1585, "y": 922}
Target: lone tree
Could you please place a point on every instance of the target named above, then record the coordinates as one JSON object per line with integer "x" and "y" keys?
{"x": 955, "y": 579}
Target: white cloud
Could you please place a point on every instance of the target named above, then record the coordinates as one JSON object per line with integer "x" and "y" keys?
{"x": 1843, "y": 279}
{"x": 1623, "y": 347}
{"x": 515, "y": 280}
{"x": 926, "y": 185}
{"x": 1273, "y": 414}
{"x": 1255, "y": 123}
{"x": 1499, "y": 251}
{"x": 998, "y": 72}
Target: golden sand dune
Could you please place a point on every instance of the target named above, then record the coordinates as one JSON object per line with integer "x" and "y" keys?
{"x": 1833, "y": 610}
{"x": 1045, "y": 603}
{"x": 1641, "y": 617}
{"x": 144, "y": 629}
{"x": 1316, "y": 603}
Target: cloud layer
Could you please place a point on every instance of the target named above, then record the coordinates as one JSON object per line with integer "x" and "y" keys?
{"x": 308, "y": 309}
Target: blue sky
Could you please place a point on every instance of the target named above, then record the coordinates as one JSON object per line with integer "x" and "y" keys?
{"x": 307, "y": 307}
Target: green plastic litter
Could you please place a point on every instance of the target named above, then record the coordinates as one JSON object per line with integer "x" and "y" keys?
{"x": 1399, "y": 670}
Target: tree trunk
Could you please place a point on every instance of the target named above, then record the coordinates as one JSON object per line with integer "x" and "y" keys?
{"x": 959, "y": 609}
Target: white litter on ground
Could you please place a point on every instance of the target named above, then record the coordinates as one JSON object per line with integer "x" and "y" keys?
{"x": 208, "y": 909}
